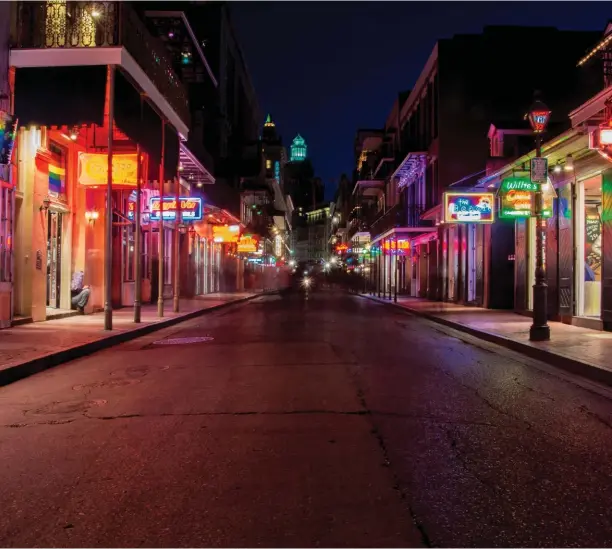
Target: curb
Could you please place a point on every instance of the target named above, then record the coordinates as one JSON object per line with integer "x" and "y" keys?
{"x": 39, "y": 364}
{"x": 571, "y": 365}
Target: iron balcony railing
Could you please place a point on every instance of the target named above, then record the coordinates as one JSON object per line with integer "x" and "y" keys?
{"x": 66, "y": 25}
{"x": 398, "y": 216}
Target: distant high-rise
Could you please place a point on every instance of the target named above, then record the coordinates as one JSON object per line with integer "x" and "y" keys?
{"x": 299, "y": 149}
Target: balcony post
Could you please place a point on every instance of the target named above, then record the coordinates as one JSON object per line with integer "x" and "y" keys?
{"x": 137, "y": 242}
{"x": 108, "y": 240}
{"x": 178, "y": 221}
{"x": 161, "y": 243}
{"x": 397, "y": 264}
{"x": 378, "y": 270}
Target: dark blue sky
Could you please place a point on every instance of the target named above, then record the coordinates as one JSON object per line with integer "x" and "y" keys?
{"x": 324, "y": 69}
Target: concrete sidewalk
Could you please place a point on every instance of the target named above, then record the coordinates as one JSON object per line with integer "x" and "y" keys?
{"x": 31, "y": 348}
{"x": 581, "y": 351}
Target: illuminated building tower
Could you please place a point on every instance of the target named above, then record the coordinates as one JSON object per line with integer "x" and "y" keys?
{"x": 298, "y": 149}
{"x": 269, "y": 134}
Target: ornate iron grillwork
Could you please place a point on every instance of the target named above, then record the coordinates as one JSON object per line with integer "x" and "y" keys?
{"x": 66, "y": 24}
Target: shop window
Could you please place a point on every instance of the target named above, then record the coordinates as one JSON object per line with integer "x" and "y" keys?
{"x": 128, "y": 253}
{"x": 168, "y": 256}
{"x": 588, "y": 268}
{"x": 6, "y": 234}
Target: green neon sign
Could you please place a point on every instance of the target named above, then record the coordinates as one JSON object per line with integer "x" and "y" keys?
{"x": 518, "y": 184}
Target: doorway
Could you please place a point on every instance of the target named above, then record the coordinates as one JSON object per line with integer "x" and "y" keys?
{"x": 471, "y": 263}
{"x": 54, "y": 258}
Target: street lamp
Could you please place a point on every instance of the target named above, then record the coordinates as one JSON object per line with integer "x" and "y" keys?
{"x": 539, "y": 115}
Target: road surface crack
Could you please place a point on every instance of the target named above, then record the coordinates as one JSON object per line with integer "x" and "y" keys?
{"x": 461, "y": 458}
{"x": 243, "y": 413}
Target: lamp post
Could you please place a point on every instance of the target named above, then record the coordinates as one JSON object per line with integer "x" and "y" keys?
{"x": 539, "y": 115}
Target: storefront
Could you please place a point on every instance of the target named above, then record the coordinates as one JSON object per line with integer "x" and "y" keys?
{"x": 577, "y": 206}
{"x": 7, "y": 211}
{"x": 400, "y": 262}
{"x": 466, "y": 232}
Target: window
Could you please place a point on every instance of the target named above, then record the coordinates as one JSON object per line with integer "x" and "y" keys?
{"x": 268, "y": 164}
{"x": 588, "y": 259}
{"x": 6, "y": 234}
{"x": 128, "y": 253}
{"x": 167, "y": 256}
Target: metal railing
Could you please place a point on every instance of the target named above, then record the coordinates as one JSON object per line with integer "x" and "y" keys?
{"x": 398, "y": 216}
{"x": 65, "y": 25}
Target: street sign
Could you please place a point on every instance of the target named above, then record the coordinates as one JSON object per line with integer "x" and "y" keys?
{"x": 539, "y": 170}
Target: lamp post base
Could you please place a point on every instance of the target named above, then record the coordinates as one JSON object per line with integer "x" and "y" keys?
{"x": 539, "y": 333}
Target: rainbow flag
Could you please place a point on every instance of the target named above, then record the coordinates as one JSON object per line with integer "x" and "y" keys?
{"x": 57, "y": 179}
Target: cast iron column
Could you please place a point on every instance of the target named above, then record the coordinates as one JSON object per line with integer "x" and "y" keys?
{"x": 108, "y": 240}
{"x": 137, "y": 242}
{"x": 160, "y": 282}
{"x": 178, "y": 221}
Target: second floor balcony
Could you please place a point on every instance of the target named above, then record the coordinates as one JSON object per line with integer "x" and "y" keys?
{"x": 398, "y": 216}
{"x": 58, "y": 33}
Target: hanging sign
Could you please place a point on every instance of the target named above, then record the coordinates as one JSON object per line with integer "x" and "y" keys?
{"x": 191, "y": 208}
{"x": 469, "y": 207}
{"x": 517, "y": 203}
{"x": 93, "y": 169}
{"x": 539, "y": 169}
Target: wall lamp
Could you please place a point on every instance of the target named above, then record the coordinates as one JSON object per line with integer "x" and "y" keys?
{"x": 45, "y": 204}
{"x": 569, "y": 163}
{"x": 92, "y": 215}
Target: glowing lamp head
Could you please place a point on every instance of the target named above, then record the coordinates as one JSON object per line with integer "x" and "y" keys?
{"x": 539, "y": 115}
{"x": 605, "y": 136}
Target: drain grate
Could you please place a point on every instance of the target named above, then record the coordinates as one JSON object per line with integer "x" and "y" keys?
{"x": 183, "y": 340}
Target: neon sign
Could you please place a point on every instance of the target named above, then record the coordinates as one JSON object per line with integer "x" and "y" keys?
{"x": 247, "y": 244}
{"x": 518, "y": 184}
{"x": 191, "y": 208}
{"x": 341, "y": 248}
{"x": 93, "y": 169}
{"x": 469, "y": 207}
{"x": 223, "y": 233}
{"x": 519, "y": 204}
{"x": 400, "y": 247}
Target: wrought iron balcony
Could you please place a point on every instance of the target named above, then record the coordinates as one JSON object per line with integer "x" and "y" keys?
{"x": 66, "y": 25}
{"x": 398, "y": 216}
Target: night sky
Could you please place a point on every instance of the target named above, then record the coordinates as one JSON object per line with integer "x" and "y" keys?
{"x": 324, "y": 69}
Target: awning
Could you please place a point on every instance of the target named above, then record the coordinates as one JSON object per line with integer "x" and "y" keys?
{"x": 410, "y": 232}
{"x": 192, "y": 170}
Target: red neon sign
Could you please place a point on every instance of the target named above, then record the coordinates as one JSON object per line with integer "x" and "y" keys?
{"x": 341, "y": 248}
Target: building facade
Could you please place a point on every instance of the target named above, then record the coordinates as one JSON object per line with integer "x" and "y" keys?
{"x": 123, "y": 85}
{"x": 439, "y": 142}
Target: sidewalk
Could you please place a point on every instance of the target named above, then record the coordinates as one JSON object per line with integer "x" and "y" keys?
{"x": 31, "y": 348}
{"x": 581, "y": 351}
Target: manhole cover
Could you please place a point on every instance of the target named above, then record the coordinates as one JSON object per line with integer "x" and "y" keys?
{"x": 183, "y": 340}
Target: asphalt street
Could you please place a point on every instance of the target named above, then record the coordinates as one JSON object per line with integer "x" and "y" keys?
{"x": 334, "y": 421}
